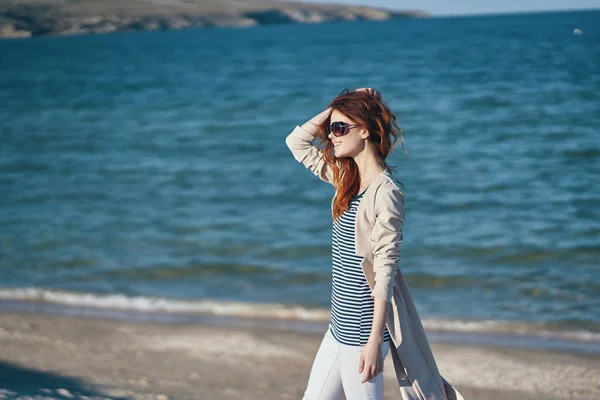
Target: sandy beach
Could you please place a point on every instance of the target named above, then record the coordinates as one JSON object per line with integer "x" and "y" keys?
{"x": 61, "y": 356}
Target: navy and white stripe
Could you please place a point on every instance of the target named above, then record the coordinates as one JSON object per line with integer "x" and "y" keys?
{"x": 351, "y": 303}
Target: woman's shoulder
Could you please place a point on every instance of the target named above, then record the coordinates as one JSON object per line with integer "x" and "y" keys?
{"x": 390, "y": 182}
{"x": 388, "y": 198}
{"x": 389, "y": 195}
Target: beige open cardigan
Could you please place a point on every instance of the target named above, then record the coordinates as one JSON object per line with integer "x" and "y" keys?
{"x": 378, "y": 230}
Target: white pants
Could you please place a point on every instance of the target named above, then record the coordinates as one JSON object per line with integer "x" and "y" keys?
{"x": 335, "y": 370}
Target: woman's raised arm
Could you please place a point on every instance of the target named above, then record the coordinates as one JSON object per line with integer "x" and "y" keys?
{"x": 300, "y": 144}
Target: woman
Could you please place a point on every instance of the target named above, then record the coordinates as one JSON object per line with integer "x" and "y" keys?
{"x": 372, "y": 311}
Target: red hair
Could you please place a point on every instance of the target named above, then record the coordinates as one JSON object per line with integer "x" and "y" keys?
{"x": 372, "y": 115}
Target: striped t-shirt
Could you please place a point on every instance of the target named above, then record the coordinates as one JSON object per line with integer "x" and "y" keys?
{"x": 351, "y": 303}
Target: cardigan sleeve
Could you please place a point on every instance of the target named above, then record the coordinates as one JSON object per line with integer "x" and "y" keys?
{"x": 299, "y": 142}
{"x": 386, "y": 239}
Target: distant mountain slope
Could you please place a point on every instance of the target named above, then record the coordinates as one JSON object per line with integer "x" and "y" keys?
{"x": 24, "y": 18}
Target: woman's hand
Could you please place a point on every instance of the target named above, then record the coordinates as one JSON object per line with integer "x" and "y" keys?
{"x": 371, "y": 361}
{"x": 371, "y": 91}
{"x": 312, "y": 124}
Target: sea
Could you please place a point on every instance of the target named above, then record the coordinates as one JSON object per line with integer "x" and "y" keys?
{"x": 145, "y": 175}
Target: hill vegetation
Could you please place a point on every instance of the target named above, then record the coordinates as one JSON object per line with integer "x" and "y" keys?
{"x": 25, "y": 18}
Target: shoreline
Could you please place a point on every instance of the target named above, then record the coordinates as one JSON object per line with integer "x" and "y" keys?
{"x": 511, "y": 336}
{"x": 49, "y": 355}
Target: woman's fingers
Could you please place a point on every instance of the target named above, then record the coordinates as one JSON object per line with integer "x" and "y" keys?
{"x": 361, "y": 364}
{"x": 371, "y": 362}
{"x": 371, "y": 372}
{"x": 364, "y": 89}
{"x": 365, "y": 378}
{"x": 371, "y": 91}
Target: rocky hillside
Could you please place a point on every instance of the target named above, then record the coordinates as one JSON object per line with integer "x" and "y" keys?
{"x": 25, "y": 18}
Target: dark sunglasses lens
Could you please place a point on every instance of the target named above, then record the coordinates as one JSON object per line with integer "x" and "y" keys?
{"x": 338, "y": 128}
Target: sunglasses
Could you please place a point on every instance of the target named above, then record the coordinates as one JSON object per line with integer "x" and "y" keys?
{"x": 339, "y": 128}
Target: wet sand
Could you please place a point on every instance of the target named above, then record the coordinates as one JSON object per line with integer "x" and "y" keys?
{"x": 58, "y": 356}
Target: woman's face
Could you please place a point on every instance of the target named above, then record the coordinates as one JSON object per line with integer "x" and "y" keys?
{"x": 350, "y": 144}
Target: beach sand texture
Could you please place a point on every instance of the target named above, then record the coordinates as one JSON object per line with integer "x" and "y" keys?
{"x": 58, "y": 356}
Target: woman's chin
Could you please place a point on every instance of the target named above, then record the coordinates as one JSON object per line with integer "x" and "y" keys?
{"x": 341, "y": 154}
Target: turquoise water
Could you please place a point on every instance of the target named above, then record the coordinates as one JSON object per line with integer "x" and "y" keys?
{"x": 149, "y": 170}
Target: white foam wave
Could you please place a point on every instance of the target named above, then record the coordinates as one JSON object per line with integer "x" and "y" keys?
{"x": 539, "y": 329}
{"x": 122, "y": 302}
{"x": 155, "y": 304}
